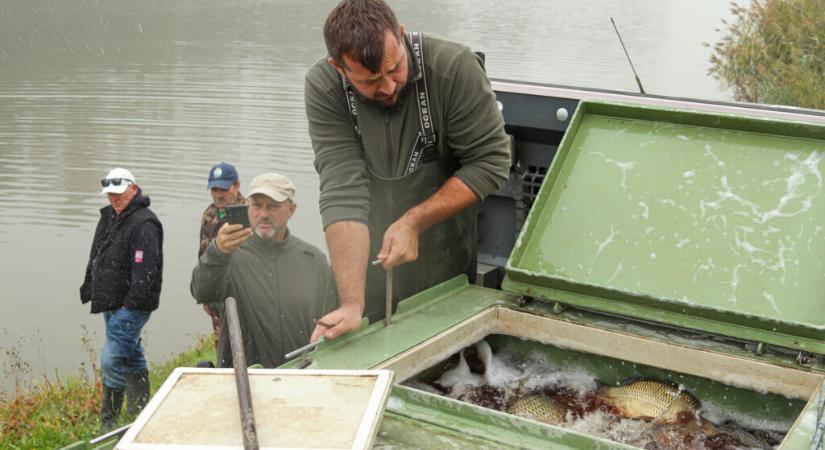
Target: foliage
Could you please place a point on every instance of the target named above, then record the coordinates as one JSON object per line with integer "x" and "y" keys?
{"x": 50, "y": 415}
{"x": 56, "y": 414}
{"x": 774, "y": 52}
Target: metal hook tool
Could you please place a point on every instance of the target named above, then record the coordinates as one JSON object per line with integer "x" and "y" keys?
{"x": 304, "y": 353}
{"x": 388, "y": 304}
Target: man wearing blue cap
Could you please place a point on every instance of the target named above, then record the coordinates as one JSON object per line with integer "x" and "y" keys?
{"x": 225, "y": 188}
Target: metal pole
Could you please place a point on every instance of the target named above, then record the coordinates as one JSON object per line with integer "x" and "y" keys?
{"x": 388, "y": 305}
{"x": 304, "y": 349}
{"x": 638, "y": 81}
{"x": 250, "y": 436}
{"x": 388, "y": 316}
{"x": 114, "y": 433}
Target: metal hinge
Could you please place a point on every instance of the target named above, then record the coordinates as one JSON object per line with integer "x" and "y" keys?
{"x": 805, "y": 359}
{"x": 760, "y": 348}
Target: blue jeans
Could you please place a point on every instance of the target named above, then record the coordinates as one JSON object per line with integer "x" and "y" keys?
{"x": 122, "y": 352}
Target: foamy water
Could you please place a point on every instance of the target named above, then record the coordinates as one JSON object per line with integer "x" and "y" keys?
{"x": 514, "y": 378}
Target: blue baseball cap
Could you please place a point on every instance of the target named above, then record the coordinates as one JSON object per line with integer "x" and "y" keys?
{"x": 222, "y": 175}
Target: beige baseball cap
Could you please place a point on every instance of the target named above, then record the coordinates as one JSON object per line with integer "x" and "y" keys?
{"x": 273, "y": 185}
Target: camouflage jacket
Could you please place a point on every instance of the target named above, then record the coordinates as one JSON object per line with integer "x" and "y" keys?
{"x": 211, "y": 221}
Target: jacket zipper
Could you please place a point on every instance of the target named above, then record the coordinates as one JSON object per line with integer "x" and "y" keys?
{"x": 387, "y": 132}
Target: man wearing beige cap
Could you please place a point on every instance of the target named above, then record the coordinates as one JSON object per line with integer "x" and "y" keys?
{"x": 282, "y": 284}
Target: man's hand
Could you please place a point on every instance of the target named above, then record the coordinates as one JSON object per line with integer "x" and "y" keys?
{"x": 400, "y": 244}
{"x": 342, "y": 320}
{"x": 231, "y": 236}
{"x": 349, "y": 247}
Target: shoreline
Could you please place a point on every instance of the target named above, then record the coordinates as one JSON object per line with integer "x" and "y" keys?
{"x": 56, "y": 413}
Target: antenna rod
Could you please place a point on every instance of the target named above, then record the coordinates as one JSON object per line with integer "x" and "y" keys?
{"x": 638, "y": 81}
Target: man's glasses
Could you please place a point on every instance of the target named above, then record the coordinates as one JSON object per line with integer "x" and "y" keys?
{"x": 114, "y": 181}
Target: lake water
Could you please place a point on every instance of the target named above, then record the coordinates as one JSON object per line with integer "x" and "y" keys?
{"x": 168, "y": 88}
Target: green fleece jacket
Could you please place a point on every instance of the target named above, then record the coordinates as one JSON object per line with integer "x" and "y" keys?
{"x": 466, "y": 118}
{"x": 281, "y": 288}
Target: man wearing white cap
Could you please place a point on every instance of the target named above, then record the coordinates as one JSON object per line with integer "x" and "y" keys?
{"x": 282, "y": 284}
{"x": 123, "y": 281}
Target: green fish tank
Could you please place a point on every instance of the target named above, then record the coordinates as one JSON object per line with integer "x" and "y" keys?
{"x": 664, "y": 244}
{"x": 676, "y": 247}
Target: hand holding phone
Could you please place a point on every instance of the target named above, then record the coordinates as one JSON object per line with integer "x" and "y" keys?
{"x": 238, "y": 214}
{"x": 230, "y": 236}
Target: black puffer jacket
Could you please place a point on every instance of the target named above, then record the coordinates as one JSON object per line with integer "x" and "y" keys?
{"x": 126, "y": 262}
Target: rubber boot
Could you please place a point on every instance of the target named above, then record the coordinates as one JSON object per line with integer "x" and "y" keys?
{"x": 110, "y": 409}
{"x": 137, "y": 392}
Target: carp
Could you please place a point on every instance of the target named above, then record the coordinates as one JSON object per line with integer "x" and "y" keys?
{"x": 539, "y": 407}
{"x": 650, "y": 399}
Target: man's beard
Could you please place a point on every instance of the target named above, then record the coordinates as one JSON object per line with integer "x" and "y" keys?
{"x": 380, "y": 105}
{"x": 269, "y": 234}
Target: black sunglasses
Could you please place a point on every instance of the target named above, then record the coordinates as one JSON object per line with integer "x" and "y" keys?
{"x": 114, "y": 181}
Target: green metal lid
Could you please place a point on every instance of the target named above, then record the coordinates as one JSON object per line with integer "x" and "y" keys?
{"x": 705, "y": 221}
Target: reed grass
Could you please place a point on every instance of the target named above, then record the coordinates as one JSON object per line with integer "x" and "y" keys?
{"x": 53, "y": 413}
{"x": 774, "y": 52}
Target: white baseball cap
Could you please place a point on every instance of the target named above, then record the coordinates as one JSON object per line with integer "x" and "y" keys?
{"x": 275, "y": 186}
{"x": 117, "y": 181}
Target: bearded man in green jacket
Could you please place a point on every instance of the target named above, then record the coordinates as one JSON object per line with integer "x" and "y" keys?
{"x": 408, "y": 138}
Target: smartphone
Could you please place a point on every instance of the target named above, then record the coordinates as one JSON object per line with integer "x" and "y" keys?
{"x": 238, "y": 214}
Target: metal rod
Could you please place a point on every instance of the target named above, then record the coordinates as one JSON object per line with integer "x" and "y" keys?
{"x": 250, "y": 436}
{"x": 388, "y": 316}
{"x": 638, "y": 81}
{"x": 109, "y": 435}
{"x": 303, "y": 349}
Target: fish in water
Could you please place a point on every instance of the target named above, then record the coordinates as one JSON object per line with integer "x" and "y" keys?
{"x": 460, "y": 379}
{"x": 651, "y": 399}
{"x": 496, "y": 371}
{"x": 539, "y": 407}
{"x": 731, "y": 434}
{"x": 687, "y": 432}
{"x": 486, "y": 396}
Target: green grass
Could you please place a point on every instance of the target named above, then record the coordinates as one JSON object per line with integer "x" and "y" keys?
{"x": 54, "y": 414}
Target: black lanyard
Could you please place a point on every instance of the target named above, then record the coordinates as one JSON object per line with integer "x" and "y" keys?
{"x": 424, "y": 149}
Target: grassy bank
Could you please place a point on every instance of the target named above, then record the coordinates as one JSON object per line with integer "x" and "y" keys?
{"x": 56, "y": 413}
